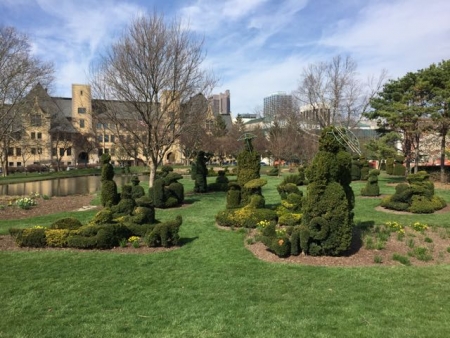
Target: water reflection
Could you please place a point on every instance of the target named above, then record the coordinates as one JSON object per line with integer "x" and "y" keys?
{"x": 61, "y": 186}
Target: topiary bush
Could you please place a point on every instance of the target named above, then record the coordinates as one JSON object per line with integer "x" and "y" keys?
{"x": 327, "y": 207}
{"x": 221, "y": 183}
{"x": 365, "y": 168}
{"x": 70, "y": 223}
{"x": 199, "y": 172}
{"x": 108, "y": 194}
{"x": 56, "y": 238}
{"x": 399, "y": 169}
{"x": 372, "y": 188}
{"x": 417, "y": 196}
{"x": 103, "y": 236}
{"x": 390, "y": 166}
{"x": 233, "y": 195}
{"x": 356, "y": 168}
{"x": 31, "y": 237}
{"x": 245, "y": 217}
{"x": 164, "y": 234}
{"x": 136, "y": 190}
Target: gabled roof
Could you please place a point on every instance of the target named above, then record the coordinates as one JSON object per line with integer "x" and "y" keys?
{"x": 58, "y": 121}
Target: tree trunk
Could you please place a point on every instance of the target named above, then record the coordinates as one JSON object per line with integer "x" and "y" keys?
{"x": 443, "y": 180}
{"x": 151, "y": 177}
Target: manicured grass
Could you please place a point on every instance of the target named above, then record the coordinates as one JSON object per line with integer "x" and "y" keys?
{"x": 213, "y": 287}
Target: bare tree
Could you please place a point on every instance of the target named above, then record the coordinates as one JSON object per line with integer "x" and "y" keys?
{"x": 19, "y": 72}
{"x": 331, "y": 93}
{"x": 152, "y": 70}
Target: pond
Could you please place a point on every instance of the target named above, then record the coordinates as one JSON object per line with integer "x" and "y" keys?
{"x": 62, "y": 186}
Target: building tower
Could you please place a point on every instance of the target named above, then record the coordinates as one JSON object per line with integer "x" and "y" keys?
{"x": 277, "y": 104}
{"x": 220, "y": 103}
{"x": 82, "y": 108}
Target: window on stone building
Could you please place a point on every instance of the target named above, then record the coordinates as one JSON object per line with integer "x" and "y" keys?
{"x": 106, "y": 151}
{"x": 10, "y": 164}
{"x": 113, "y": 138}
{"x": 100, "y": 138}
{"x": 33, "y": 135}
{"x": 69, "y": 151}
{"x": 106, "y": 138}
{"x": 81, "y": 110}
{"x": 39, "y": 150}
{"x": 53, "y": 151}
{"x": 18, "y": 151}
{"x": 33, "y": 151}
{"x": 61, "y": 151}
{"x": 19, "y": 164}
{"x": 10, "y": 151}
{"x": 100, "y": 151}
{"x": 39, "y": 136}
{"x": 81, "y": 123}
{"x": 36, "y": 120}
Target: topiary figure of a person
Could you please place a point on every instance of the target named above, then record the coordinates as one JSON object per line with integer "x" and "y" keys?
{"x": 327, "y": 208}
{"x": 249, "y": 165}
{"x": 136, "y": 190}
{"x": 199, "y": 172}
{"x": 108, "y": 195}
{"x": 126, "y": 204}
{"x": 372, "y": 188}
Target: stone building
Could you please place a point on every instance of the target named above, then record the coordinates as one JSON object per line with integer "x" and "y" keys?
{"x": 62, "y": 132}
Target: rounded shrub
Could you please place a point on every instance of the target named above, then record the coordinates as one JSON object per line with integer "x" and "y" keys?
{"x": 70, "y": 223}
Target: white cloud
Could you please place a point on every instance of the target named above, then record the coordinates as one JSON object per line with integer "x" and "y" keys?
{"x": 401, "y": 35}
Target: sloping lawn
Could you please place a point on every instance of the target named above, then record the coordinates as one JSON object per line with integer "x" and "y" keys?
{"x": 213, "y": 287}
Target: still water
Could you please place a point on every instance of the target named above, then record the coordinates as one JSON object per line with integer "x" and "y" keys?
{"x": 61, "y": 186}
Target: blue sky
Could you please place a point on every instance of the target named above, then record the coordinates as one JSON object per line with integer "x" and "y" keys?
{"x": 255, "y": 47}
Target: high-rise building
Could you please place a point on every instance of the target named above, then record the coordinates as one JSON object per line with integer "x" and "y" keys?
{"x": 220, "y": 103}
{"x": 277, "y": 104}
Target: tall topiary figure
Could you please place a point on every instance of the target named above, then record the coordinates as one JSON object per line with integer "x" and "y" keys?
{"x": 327, "y": 210}
{"x": 390, "y": 166}
{"x": 356, "y": 168}
{"x": 249, "y": 165}
{"x": 109, "y": 195}
{"x": 199, "y": 172}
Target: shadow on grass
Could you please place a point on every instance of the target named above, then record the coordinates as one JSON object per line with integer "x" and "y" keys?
{"x": 186, "y": 240}
{"x": 357, "y": 235}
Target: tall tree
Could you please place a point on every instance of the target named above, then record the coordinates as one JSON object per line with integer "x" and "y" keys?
{"x": 19, "y": 72}
{"x": 400, "y": 108}
{"x": 153, "y": 69}
{"x": 331, "y": 93}
{"x": 435, "y": 82}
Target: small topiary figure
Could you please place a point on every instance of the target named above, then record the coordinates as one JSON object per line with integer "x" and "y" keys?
{"x": 136, "y": 190}
{"x": 372, "y": 188}
{"x": 126, "y": 204}
{"x": 365, "y": 168}
{"x": 399, "y": 168}
{"x": 390, "y": 166}
{"x": 416, "y": 197}
{"x": 249, "y": 165}
{"x": 108, "y": 195}
{"x": 221, "y": 183}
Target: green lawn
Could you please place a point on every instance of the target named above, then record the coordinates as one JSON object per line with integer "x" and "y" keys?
{"x": 213, "y": 287}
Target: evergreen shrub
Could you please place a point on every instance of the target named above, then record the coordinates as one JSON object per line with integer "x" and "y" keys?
{"x": 31, "y": 237}
{"x": 70, "y": 223}
{"x": 390, "y": 166}
{"x": 372, "y": 188}
{"x": 164, "y": 234}
{"x": 56, "y": 237}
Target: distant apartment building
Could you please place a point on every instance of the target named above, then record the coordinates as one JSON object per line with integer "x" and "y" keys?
{"x": 220, "y": 103}
{"x": 277, "y": 104}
